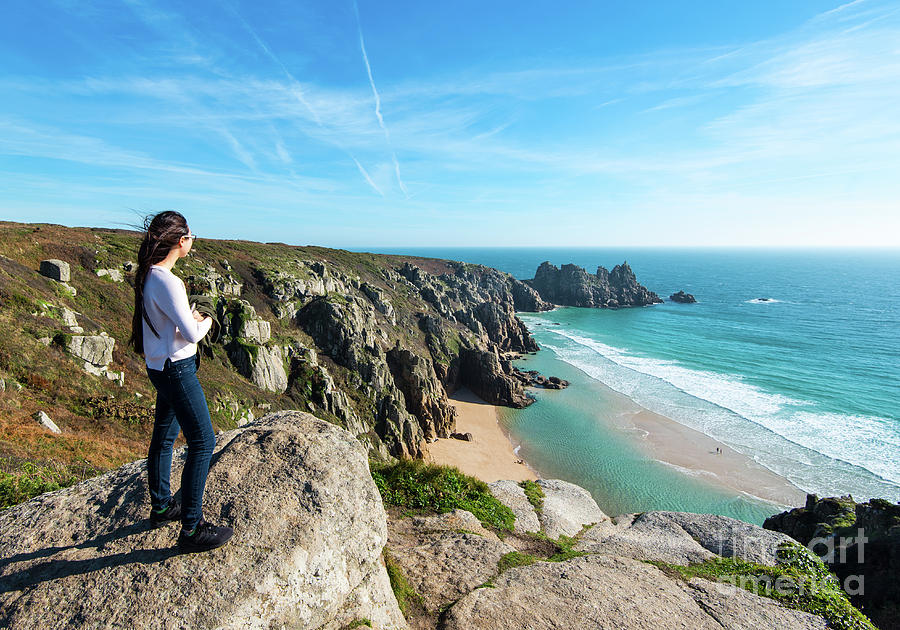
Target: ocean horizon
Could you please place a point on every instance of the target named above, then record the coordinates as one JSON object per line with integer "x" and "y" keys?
{"x": 790, "y": 357}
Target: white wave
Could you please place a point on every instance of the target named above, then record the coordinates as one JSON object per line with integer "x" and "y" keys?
{"x": 763, "y": 301}
{"x": 722, "y": 390}
{"x": 867, "y": 442}
{"x": 691, "y": 472}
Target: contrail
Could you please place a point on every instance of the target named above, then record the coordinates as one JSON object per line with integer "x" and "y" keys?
{"x": 298, "y": 93}
{"x": 366, "y": 175}
{"x": 387, "y": 135}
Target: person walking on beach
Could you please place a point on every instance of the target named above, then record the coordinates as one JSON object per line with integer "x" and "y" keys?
{"x": 165, "y": 329}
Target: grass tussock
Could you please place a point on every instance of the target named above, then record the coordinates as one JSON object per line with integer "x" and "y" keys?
{"x": 406, "y": 595}
{"x": 534, "y": 493}
{"x": 418, "y": 486}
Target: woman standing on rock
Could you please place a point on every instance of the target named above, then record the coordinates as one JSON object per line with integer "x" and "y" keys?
{"x": 165, "y": 329}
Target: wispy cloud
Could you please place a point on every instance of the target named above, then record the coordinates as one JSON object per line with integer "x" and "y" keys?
{"x": 797, "y": 112}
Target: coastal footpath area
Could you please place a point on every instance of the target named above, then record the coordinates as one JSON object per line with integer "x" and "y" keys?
{"x": 361, "y": 368}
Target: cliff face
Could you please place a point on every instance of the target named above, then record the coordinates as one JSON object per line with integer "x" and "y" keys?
{"x": 373, "y": 343}
{"x": 571, "y": 285}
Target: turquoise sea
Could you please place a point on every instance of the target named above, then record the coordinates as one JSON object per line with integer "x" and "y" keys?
{"x": 806, "y": 382}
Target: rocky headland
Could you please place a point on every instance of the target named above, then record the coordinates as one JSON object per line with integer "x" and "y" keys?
{"x": 571, "y": 285}
{"x": 374, "y": 343}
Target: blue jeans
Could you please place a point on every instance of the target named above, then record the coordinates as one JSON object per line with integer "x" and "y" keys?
{"x": 180, "y": 405}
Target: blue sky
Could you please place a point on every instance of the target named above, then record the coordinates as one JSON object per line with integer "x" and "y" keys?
{"x": 382, "y": 124}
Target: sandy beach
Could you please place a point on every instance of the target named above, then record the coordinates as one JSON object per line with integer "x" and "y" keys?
{"x": 490, "y": 456}
{"x": 695, "y": 453}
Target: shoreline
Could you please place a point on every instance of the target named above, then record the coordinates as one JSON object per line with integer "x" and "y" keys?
{"x": 694, "y": 453}
{"x": 491, "y": 455}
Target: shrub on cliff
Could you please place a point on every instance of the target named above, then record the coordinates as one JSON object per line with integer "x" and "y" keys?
{"x": 416, "y": 485}
{"x": 800, "y": 581}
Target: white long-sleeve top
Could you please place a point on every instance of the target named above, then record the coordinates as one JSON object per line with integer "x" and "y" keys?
{"x": 166, "y": 304}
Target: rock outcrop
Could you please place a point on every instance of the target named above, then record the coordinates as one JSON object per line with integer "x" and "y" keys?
{"x": 307, "y": 551}
{"x": 462, "y": 571}
{"x": 44, "y": 420}
{"x": 571, "y": 285}
{"x": 832, "y": 526}
{"x": 484, "y": 373}
{"x": 56, "y": 270}
{"x": 682, "y": 538}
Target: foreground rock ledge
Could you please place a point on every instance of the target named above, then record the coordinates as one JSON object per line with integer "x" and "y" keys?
{"x": 309, "y": 530}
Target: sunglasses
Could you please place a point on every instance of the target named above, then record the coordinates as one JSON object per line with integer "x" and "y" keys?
{"x": 193, "y": 237}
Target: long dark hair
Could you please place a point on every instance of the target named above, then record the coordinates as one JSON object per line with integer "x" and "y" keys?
{"x": 162, "y": 232}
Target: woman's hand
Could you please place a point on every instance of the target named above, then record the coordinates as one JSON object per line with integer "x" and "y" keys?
{"x": 197, "y": 315}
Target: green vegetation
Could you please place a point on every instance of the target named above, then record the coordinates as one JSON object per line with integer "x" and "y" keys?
{"x": 515, "y": 559}
{"x": 564, "y": 546}
{"x": 800, "y": 581}
{"x": 32, "y": 481}
{"x": 358, "y": 623}
{"x": 416, "y": 485}
{"x": 534, "y": 493}
{"x": 406, "y": 595}
{"x": 251, "y": 348}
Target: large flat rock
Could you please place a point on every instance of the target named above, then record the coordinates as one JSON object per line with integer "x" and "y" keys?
{"x": 682, "y": 538}
{"x": 309, "y": 530}
{"x": 647, "y": 536}
{"x": 590, "y": 592}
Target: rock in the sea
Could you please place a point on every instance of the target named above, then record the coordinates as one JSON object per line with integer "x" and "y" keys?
{"x": 309, "y": 531}
{"x": 682, "y": 298}
{"x": 55, "y": 269}
{"x": 567, "y": 508}
{"x": 44, "y": 420}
